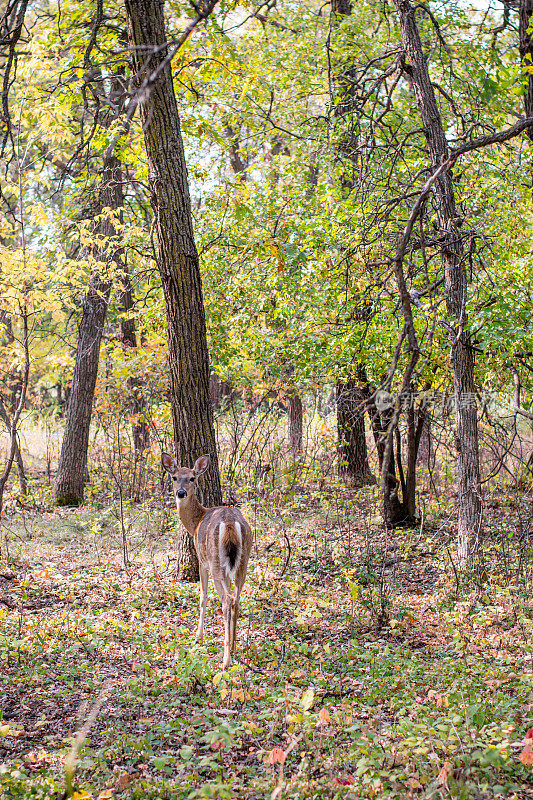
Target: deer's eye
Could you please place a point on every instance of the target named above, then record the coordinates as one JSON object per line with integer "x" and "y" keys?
{"x": 191, "y": 479}
{"x": 174, "y": 478}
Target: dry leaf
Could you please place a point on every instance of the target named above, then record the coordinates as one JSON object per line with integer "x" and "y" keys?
{"x": 276, "y": 756}
{"x": 442, "y": 778}
{"x": 346, "y": 780}
{"x": 323, "y": 716}
{"x": 123, "y": 780}
{"x": 526, "y": 756}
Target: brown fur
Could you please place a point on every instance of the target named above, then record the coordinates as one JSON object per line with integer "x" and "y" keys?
{"x": 204, "y": 525}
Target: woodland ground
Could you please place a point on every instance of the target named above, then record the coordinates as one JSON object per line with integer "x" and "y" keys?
{"x": 364, "y": 669}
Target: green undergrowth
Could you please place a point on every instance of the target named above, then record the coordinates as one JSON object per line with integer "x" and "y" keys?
{"x": 330, "y": 697}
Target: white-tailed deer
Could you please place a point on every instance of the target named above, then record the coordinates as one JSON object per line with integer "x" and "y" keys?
{"x": 223, "y": 542}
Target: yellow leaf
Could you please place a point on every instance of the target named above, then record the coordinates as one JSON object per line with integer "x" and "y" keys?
{"x": 307, "y": 699}
{"x": 106, "y": 794}
{"x": 81, "y": 795}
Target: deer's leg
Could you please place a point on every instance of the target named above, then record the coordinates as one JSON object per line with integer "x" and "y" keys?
{"x": 223, "y": 590}
{"x": 204, "y": 580}
{"x": 235, "y": 616}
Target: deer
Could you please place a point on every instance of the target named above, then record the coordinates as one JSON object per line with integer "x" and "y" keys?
{"x": 223, "y": 542}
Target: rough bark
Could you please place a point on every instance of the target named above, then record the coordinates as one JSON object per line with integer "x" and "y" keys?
{"x": 452, "y": 255}
{"x": 425, "y": 450}
{"x": 72, "y": 470}
{"x": 177, "y": 255}
{"x": 352, "y": 449}
{"x": 295, "y": 424}
{"x": 526, "y": 55}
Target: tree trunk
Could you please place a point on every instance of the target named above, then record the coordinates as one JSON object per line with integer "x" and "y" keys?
{"x": 452, "y": 254}
{"x": 526, "y": 56}
{"x": 23, "y": 481}
{"x": 352, "y": 395}
{"x": 295, "y": 424}
{"x": 72, "y": 470}
{"x": 425, "y": 450}
{"x": 178, "y": 263}
{"x": 353, "y": 453}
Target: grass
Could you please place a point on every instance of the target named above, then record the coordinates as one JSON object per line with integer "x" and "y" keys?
{"x": 363, "y": 670}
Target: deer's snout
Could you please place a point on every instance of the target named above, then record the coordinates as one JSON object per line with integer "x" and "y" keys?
{"x": 181, "y": 493}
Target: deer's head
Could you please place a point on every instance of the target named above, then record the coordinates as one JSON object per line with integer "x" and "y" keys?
{"x": 184, "y": 479}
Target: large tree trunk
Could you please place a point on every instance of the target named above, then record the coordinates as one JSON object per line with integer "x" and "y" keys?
{"x": 295, "y": 424}
{"x": 177, "y": 255}
{"x": 72, "y": 470}
{"x": 352, "y": 450}
{"x": 452, "y": 254}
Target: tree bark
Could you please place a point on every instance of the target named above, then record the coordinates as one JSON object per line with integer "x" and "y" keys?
{"x": 526, "y": 55}
{"x": 178, "y": 263}
{"x": 452, "y": 255}
{"x": 23, "y": 481}
{"x": 352, "y": 449}
{"x": 72, "y": 470}
{"x": 295, "y": 424}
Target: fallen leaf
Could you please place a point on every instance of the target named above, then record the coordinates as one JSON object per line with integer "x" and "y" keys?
{"x": 442, "y": 778}
{"x": 346, "y": 780}
{"x": 123, "y": 780}
{"x": 526, "y": 756}
{"x": 276, "y": 756}
{"x": 323, "y": 716}
{"x": 307, "y": 699}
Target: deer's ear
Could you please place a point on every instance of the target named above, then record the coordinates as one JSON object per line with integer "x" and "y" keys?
{"x": 168, "y": 463}
{"x": 201, "y": 465}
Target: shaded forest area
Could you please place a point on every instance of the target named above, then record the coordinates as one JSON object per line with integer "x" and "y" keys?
{"x": 289, "y": 243}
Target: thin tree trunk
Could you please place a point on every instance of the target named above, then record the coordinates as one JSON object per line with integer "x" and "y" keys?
{"x": 295, "y": 424}
{"x": 178, "y": 263}
{"x": 452, "y": 254}
{"x": 72, "y": 470}
{"x": 352, "y": 395}
{"x": 23, "y": 481}
{"x": 137, "y": 403}
{"x": 17, "y": 409}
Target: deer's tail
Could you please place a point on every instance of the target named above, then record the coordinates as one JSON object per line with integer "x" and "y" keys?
{"x": 230, "y": 546}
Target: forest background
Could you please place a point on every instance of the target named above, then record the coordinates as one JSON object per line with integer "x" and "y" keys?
{"x": 295, "y": 236}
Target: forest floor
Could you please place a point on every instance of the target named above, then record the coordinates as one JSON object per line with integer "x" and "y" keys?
{"x": 364, "y": 669}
